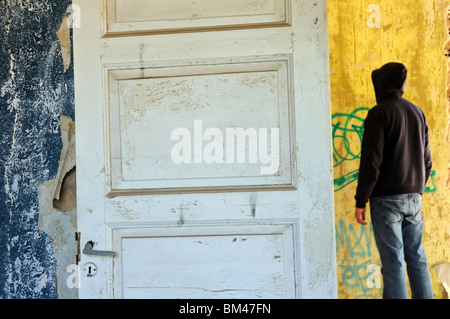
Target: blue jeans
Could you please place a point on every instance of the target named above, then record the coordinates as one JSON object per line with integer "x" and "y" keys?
{"x": 398, "y": 228}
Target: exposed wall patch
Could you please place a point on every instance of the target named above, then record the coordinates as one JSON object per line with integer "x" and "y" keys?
{"x": 57, "y": 209}
{"x": 63, "y": 34}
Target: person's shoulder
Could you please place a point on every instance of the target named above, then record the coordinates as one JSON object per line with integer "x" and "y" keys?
{"x": 412, "y": 106}
{"x": 404, "y": 101}
{"x": 377, "y": 110}
{"x": 376, "y": 115}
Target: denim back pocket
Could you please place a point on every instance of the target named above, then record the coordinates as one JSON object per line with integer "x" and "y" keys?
{"x": 416, "y": 213}
{"x": 391, "y": 209}
{"x": 417, "y": 204}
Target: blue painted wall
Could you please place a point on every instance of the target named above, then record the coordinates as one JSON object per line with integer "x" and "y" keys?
{"x": 34, "y": 92}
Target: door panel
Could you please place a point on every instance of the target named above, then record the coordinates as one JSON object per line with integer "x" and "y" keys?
{"x": 246, "y": 107}
{"x": 144, "y": 16}
{"x": 243, "y": 260}
{"x": 203, "y": 149}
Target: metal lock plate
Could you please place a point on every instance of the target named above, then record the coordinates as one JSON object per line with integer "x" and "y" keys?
{"x": 90, "y": 269}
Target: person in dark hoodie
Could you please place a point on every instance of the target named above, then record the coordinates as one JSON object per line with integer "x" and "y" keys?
{"x": 394, "y": 169}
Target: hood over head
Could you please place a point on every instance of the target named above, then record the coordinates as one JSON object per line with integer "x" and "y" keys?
{"x": 389, "y": 80}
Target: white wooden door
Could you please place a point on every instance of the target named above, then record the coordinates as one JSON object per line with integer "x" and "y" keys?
{"x": 203, "y": 149}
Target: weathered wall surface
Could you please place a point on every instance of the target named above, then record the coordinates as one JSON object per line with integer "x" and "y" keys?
{"x": 36, "y": 88}
{"x": 363, "y": 36}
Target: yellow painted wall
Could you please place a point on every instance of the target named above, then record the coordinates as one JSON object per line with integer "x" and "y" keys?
{"x": 412, "y": 32}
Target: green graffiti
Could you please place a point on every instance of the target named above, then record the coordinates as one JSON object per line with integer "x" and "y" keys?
{"x": 432, "y": 188}
{"x": 345, "y": 128}
{"x": 341, "y": 182}
{"x": 348, "y": 127}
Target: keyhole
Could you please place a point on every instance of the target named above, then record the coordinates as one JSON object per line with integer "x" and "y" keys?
{"x": 90, "y": 269}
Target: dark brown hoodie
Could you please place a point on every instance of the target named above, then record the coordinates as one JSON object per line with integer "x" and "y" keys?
{"x": 395, "y": 153}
